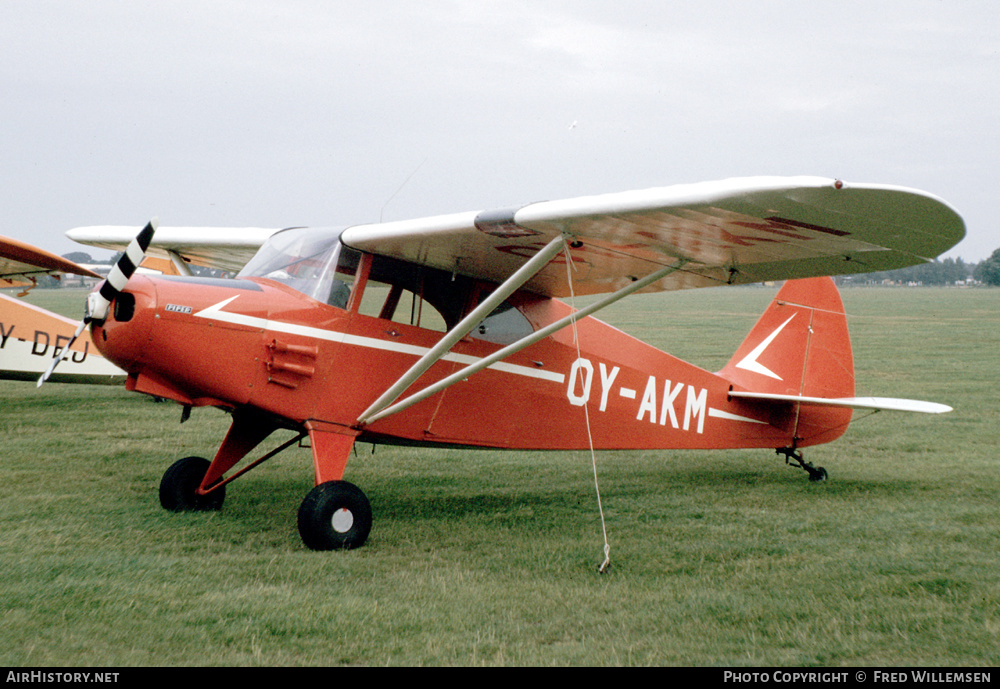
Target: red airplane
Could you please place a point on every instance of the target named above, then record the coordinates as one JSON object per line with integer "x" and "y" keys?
{"x": 449, "y": 331}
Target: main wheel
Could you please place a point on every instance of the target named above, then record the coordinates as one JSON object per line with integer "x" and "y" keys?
{"x": 181, "y": 480}
{"x": 335, "y": 515}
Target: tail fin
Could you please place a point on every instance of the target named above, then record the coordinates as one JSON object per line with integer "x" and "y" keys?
{"x": 799, "y": 346}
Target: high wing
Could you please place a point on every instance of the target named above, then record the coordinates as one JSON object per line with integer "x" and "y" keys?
{"x": 733, "y": 231}
{"x": 224, "y": 248}
{"x": 727, "y": 232}
{"x": 20, "y": 261}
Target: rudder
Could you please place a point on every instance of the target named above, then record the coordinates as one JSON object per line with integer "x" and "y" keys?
{"x": 799, "y": 346}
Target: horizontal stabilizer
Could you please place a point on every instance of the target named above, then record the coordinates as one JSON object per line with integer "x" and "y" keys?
{"x": 877, "y": 403}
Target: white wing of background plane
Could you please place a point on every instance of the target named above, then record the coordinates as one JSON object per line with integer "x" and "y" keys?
{"x": 225, "y": 248}
{"x": 728, "y": 232}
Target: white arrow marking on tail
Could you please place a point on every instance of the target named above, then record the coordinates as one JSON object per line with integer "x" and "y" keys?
{"x": 750, "y": 363}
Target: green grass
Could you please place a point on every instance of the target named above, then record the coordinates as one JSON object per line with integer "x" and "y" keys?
{"x": 490, "y": 558}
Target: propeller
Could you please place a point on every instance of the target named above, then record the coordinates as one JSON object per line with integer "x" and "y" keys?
{"x": 99, "y": 301}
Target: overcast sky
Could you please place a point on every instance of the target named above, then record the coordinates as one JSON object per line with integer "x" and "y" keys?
{"x": 279, "y": 113}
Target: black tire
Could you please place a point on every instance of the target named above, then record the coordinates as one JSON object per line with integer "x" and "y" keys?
{"x": 335, "y": 515}
{"x": 818, "y": 475}
{"x": 181, "y": 480}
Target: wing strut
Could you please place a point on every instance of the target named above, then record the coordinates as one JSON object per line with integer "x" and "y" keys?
{"x": 370, "y": 416}
{"x": 180, "y": 265}
{"x": 511, "y": 285}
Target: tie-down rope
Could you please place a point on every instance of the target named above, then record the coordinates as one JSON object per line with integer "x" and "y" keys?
{"x": 586, "y": 412}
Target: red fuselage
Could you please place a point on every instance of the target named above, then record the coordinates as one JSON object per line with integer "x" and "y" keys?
{"x": 260, "y": 344}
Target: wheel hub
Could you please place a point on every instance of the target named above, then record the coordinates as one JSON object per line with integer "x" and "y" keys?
{"x": 342, "y": 520}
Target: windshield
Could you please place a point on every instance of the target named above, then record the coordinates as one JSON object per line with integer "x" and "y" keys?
{"x": 306, "y": 259}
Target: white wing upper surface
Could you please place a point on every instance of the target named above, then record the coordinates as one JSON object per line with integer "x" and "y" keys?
{"x": 729, "y": 232}
{"x": 225, "y": 248}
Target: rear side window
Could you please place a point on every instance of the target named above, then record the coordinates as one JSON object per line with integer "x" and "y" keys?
{"x": 504, "y": 326}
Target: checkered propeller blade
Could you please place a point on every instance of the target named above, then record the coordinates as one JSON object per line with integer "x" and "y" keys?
{"x": 99, "y": 302}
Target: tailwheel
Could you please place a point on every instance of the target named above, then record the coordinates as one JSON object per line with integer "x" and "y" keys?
{"x": 335, "y": 515}
{"x": 816, "y": 474}
{"x": 179, "y": 485}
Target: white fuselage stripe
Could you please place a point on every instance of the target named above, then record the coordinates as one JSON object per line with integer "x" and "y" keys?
{"x": 217, "y": 314}
{"x": 719, "y": 414}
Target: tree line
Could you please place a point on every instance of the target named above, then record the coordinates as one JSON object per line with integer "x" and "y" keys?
{"x": 944, "y": 272}
{"x": 949, "y": 271}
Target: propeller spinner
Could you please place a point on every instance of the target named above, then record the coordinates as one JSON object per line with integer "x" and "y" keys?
{"x": 99, "y": 301}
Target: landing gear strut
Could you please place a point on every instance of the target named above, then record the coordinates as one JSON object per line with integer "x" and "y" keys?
{"x": 794, "y": 457}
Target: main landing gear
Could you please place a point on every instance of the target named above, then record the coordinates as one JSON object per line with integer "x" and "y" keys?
{"x": 794, "y": 457}
{"x": 335, "y": 515}
{"x": 179, "y": 487}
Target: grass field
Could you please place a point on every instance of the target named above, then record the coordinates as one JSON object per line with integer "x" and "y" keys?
{"x": 488, "y": 558}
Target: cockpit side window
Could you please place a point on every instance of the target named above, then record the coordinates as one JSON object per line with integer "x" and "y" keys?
{"x": 343, "y": 277}
{"x": 436, "y": 300}
{"x": 414, "y": 295}
{"x": 400, "y": 305}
